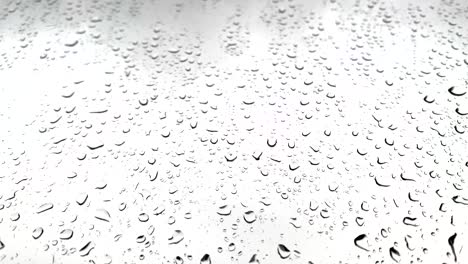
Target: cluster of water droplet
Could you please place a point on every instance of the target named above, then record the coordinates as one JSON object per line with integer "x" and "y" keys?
{"x": 229, "y": 131}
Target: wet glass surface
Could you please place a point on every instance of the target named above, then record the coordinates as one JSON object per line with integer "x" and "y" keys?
{"x": 233, "y": 131}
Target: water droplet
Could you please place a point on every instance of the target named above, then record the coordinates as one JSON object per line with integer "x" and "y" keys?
{"x": 45, "y": 207}
{"x": 66, "y": 234}
{"x": 37, "y": 232}
{"x": 176, "y": 237}
{"x": 206, "y": 259}
{"x": 283, "y": 251}
{"x": 250, "y": 217}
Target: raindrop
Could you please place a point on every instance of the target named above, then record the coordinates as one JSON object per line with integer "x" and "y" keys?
{"x": 250, "y": 217}
{"x": 206, "y": 259}
{"x": 283, "y": 251}
{"x": 45, "y": 207}
{"x": 176, "y": 237}
{"x": 37, "y": 232}
{"x": 66, "y": 234}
